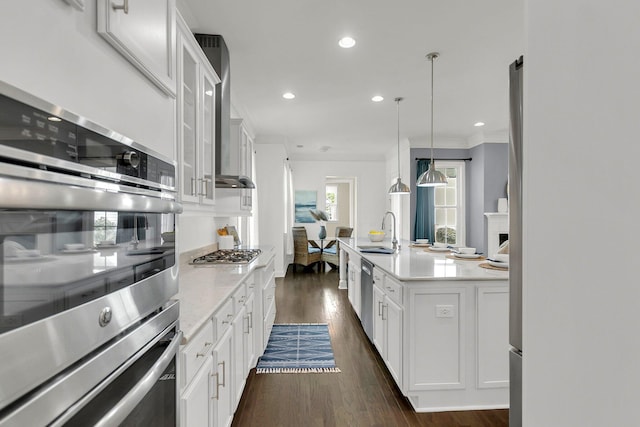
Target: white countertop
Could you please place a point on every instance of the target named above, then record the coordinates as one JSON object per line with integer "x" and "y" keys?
{"x": 204, "y": 288}
{"x": 412, "y": 263}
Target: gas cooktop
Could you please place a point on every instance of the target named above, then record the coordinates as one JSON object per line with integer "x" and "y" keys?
{"x": 228, "y": 256}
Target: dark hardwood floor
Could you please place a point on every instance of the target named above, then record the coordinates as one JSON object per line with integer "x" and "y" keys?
{"x": 363, "y": 394}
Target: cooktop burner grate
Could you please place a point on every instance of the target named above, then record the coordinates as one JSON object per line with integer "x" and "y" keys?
{"x": 228, "y": 256}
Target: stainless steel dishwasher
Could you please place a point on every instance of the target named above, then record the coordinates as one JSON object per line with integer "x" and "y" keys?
{"x": 366, "y": 297}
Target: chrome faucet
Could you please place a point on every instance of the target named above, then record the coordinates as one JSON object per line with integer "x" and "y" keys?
{"x": 394, "y": 241}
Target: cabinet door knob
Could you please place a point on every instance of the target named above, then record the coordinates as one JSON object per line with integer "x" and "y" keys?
{"x": 124, "y": 6}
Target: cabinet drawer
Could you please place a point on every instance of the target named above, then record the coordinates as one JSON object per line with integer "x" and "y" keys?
{"x": 393, "y": 290}
{"x": 240, "y": 297}
{"x": 269, "y": 318}
{"x": 378, "y": 278}
{"x": 223, "y": 318}
{"x": 268, "y": 296}
{"x": 251, "y": 285}
{"x": 194, "y": 354}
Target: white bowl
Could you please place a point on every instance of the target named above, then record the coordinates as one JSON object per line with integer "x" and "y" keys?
{"x": 501, "y": 257}
{"x": 27, "y": 253}
{"x": 422, "y": 241}
{"x": 467, "y": 250}
{"x": 377, "y": 237}
{"x": 440, "y": 244}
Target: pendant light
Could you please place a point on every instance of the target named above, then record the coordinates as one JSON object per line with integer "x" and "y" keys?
{"x": 432, "y": 177}
{"x": 398, "y": 187}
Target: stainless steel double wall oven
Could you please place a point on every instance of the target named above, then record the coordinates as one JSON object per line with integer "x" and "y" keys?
{"x": 88, "y": 331}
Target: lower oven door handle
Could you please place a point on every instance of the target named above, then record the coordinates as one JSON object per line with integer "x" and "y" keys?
{"x": 127, "y": 404}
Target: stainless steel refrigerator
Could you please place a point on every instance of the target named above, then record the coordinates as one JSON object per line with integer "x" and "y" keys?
{"x": 515, "y": 243}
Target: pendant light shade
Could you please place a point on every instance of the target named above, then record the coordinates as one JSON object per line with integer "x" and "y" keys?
{"x": 398, "y": 187}
{"x": 432, "y": 177}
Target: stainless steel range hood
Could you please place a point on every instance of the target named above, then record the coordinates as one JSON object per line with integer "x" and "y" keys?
{"x": 216, "y": 51}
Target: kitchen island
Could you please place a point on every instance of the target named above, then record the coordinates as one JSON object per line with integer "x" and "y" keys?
{"x": 439, "y": 323}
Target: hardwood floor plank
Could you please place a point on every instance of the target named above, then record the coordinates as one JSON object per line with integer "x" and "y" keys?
{"x": 362, "y": 395}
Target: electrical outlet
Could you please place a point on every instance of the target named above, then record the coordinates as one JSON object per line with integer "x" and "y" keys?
{"x": 444, "y": 311}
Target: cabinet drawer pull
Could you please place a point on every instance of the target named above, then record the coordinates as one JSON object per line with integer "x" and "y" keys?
{"x": 246, "y": 331}
{"x": 224, "y": 373}
{"x": 379, "y": 308}
{"x": 194, "y": 192}
{"x": 216, "y": 397}
{"x": 124, "y": 6}
{"x": 383, "y": 307}
{"x": 203, "y": 352}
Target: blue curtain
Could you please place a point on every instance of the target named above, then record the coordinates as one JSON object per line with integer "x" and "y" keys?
{"x": 425, "y": 207}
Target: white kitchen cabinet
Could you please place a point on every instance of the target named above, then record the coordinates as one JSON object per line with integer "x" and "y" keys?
{"x": 264, "y": 305}
{"x": 239, "y": 344}
{"x": 268, "y": 304}
{"x": 196, "y": 120}
{"x": 243, "y": 337}
{"x": 144, "y": 32}
{"x": 393, "y": 339}
{"x": 223, "y": 395}
{"x": 250, "y": 335}
{"x": 353, "y": 281}
{"x": 387, "y": 324}
{"x": 378, "y": 322}
{"x": 195, "y": 403}
{"x": 492, "y": 317}
{"x": 437, "y": 338}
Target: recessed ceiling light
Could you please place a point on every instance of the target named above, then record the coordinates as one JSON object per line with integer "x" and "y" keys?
{"x": 288, "y": 95}
{"x": 347, "y": 42}
{"x": 54, "y": 119}
{"x": 478, "y": 124}
{"x": 377, "y": 98}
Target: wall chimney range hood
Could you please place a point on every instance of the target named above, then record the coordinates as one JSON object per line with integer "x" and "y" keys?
{"x": 216, "y": 51}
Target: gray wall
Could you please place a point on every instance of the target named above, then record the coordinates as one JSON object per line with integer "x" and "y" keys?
{"x": 486, "y": 179}
{"x": 489, "y": 182}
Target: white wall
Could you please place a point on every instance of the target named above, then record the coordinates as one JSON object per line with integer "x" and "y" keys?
{"x": 53, "y": 51}
{"x": 270, "y": 158}
{"x": 400, "y": 205}
{"x": 581, "y": 286}
{"x": 371, "y": 189}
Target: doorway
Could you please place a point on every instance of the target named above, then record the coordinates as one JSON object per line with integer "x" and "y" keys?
{"x": 340, "y": 193}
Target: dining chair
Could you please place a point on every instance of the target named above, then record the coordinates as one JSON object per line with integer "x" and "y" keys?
{"x": 305, "y": 252}
{"x": 331, "y": 252}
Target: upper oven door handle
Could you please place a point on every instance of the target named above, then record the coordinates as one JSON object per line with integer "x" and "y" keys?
{"x": 80, "y": 194}
{"x": 128, "y": 403}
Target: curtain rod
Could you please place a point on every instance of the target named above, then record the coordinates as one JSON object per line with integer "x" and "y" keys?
{"x": 424, "y": 158}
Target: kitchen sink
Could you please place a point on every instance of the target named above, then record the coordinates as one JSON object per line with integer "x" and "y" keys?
{"x": 375, "y": 249}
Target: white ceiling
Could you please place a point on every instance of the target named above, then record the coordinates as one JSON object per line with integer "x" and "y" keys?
{"x": 292, "y": 45}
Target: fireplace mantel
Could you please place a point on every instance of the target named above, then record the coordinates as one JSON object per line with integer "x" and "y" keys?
{"x": 497, "y": 230}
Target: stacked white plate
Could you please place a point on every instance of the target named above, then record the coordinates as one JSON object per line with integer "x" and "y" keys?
{"x": 498, "y": 264}
{"x": 466, "y": 256}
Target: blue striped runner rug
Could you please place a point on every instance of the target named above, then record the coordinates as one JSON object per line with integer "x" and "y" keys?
{"x": 298, "y": 348}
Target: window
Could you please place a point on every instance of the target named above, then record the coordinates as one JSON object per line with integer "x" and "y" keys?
{"x": 449, "y": 204}
{"x": 331, "y": 191}
{"x": 105, "y": 226}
